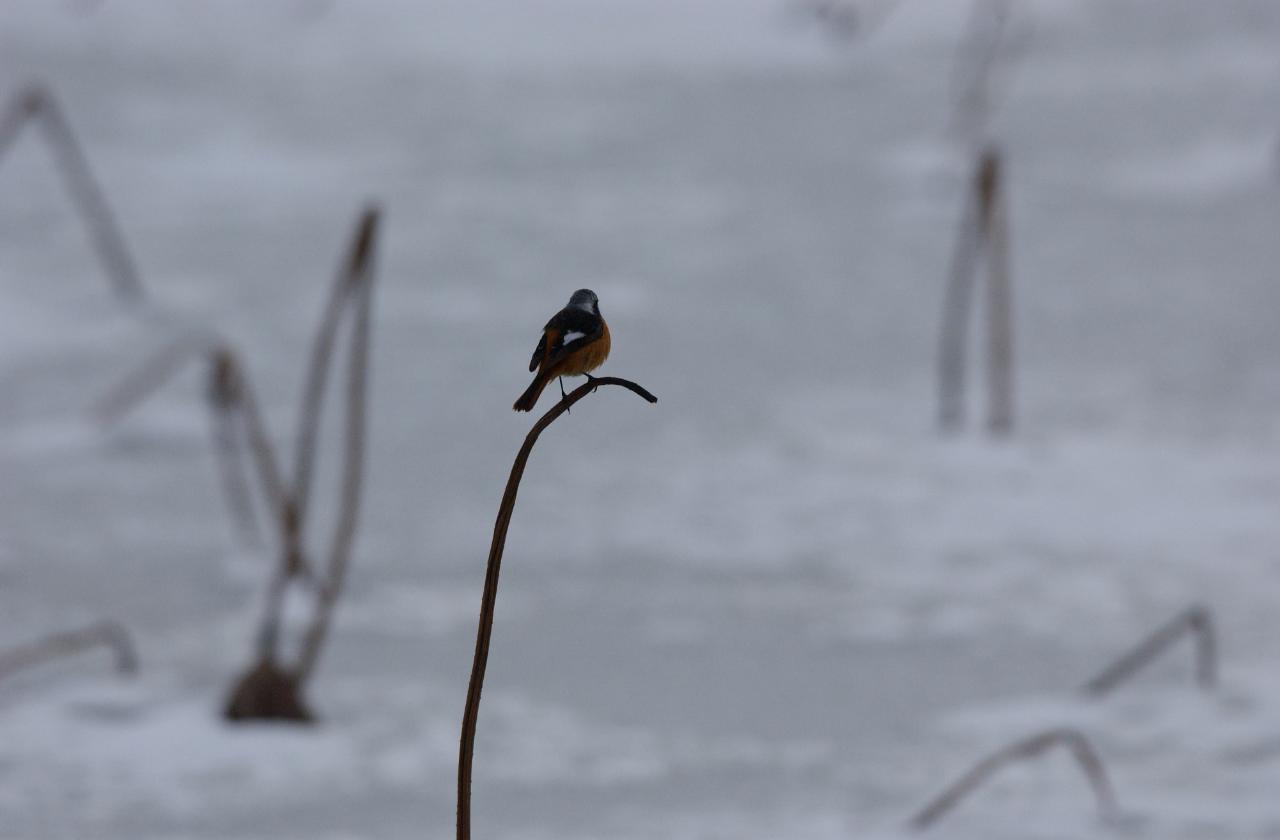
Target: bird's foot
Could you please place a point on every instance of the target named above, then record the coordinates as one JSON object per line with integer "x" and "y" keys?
{"x": 563, "y": 395}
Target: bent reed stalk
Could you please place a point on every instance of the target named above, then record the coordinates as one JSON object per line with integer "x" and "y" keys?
{"x": 1071, "y": 739}
{"x": 466, "y": 745}
{"x": 1195, "y": 621}
{"x": 36, "y": 103}
{"x": 108, "y": 633}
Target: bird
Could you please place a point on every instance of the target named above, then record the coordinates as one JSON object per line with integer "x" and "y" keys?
{"x": 574, "y": 342}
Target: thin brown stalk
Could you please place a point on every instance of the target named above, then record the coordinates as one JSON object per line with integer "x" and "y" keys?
{"x": 143, "y": 381}
{"x": 1071, "y": 739}
{"x": 234, "y": 417}
{"x": 351, "y": 279}
{"x": 1195, "y": 621}
{"x": 270, "y": 476}
{"x": 108, "y": 633}
{"x": 982, "y": 234}
{"x": 16, "y": 114}
{"x": 353, "y": 286}
{"x": 953, "y": 341}
{"x": 269, "y": 689}
{"x": 279, "y": 501}
{"x": 488, "y": 601}
{"x": 37, "y": 103}
{"x": 999, "y": 297}
{"x": 227, "y": 428}
{"x": 360, "y": 279}
{"x": 230, "y": 394}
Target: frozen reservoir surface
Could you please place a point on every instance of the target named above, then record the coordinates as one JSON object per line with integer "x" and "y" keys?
{"x": 776, "y": 605}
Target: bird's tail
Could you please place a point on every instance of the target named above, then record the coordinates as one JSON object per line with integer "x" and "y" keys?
{"x": 530, "y": 397}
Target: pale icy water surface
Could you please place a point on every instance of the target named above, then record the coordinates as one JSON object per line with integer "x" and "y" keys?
{"x": 774, "y": 605}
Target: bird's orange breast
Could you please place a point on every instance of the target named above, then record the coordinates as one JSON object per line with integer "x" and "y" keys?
{"x": 588, "y": 358}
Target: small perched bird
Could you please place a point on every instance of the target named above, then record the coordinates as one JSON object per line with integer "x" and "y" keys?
{"x": 574, "y": 342}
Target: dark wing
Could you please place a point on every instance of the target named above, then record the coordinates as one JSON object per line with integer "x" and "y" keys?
{"x": 569, "y": 330}
{"x": 540, "y": 350}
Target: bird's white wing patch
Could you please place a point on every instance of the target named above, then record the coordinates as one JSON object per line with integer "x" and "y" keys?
{"x": 571, "y": 336}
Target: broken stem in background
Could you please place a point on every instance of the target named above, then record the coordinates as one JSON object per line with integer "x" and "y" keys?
{"x": 488, "y": 601}
{"x": 1072, "y": 739}
{"x": 957, "y": 302}
{"x": 107, "y": 633}
{"x": 37, "y": 103}
{"x": 155, "y": 370}
{"x": 269, "y": 689}
{"x": 235, "y": 419}
{"x": 279, "y": 500}
{"x": 995, "y": 231}
{"x": 351, "y": 281}
{"x": 1196, "y": 621}
{"x": 983, "y": 232}
{"x": 359, "y": 282}
{"x": 227, "y": 426}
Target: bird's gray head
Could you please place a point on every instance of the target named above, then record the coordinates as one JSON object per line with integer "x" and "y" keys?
{"x": 585, "y": 299}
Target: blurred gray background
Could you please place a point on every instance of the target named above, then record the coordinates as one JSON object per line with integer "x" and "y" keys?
{"x": 774, "y": 605}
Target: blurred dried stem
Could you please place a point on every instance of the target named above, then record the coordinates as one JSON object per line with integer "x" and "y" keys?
{"x": 229, "y": 426}
{"x": 234, "y": 419}
{"x": 466, "y": 746}
{"x": 1195, "y": 621}
{"x": 110, "y": 634}
{"x": 269, "y": 689}
{"x": 1072, "y": 739}
{"x": 352, "y": 293}
{"x": 983, "y": 231}
{"x": 358, "y": 281}
{"x": 36, "y": 103}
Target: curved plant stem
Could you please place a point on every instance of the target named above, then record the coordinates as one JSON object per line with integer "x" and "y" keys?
{"x": 1071, "y": 739}
{"x": 957, "y": 303}
{"x": 466, "y": 746}
{"x": 155, "y": 371}
{"x": 108, "y": 633}
{"x": 353, "y": 281}
{"x": 1195, "y": 621}
{"x": 229, "y": 443}
{"x": 37, "y": 103}
{"x": 359, "y": 279}
{"x": 983, "y": 234}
